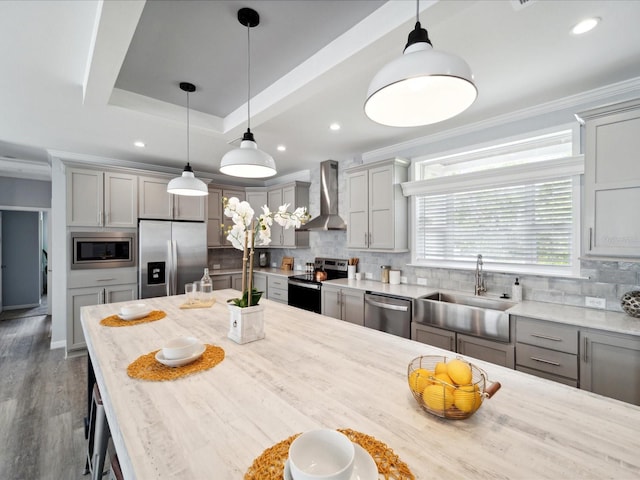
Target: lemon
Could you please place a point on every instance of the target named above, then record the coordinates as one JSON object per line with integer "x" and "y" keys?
{"x": 419, "y": 379}
{"x": 467, "y": 398}
{"x": 444, "y": 377}
{"x": 438, "y": 397}
{"x": 441, "y": 367}
{"x": 459, "y": 371}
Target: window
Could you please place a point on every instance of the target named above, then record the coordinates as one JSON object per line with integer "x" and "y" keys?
{"x": 517, "y": 204}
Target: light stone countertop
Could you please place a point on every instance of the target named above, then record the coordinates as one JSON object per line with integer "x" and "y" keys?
{"x": 313, "y": 371}
{"x": 582, "y": 317}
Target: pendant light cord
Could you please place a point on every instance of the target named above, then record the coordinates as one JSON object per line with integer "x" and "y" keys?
{"x": 188, "y": 128}
{"x": 417, "y": 10}
{"x": 248, "y": 77}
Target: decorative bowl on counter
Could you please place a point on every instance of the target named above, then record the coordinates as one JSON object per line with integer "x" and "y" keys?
{"x": 630, "y": 303}
{"x": 448, "y": 387}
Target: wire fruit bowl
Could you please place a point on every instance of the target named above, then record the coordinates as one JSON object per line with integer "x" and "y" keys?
{"x": 448, "y": 387}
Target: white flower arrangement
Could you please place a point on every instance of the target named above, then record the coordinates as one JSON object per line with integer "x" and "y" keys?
{"x": 247, "y": 232}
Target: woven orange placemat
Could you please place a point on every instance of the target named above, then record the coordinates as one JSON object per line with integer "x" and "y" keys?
{"x": 146, "y": 367}
{"x": 116, "y": 321}
{"x": 270, "y": 464}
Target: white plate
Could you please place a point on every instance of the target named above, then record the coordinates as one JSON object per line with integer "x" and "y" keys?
{"x": 134, "y": 316}
{"x": 364, "y": 467}
{"x": 178, "y": 362}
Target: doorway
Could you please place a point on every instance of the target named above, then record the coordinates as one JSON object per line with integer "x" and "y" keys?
{"x": 23, "y": 243}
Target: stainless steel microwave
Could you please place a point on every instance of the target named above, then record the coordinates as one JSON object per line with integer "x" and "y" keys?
{"x": 103, "y": 250}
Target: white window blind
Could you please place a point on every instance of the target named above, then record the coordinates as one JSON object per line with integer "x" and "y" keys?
{"x": 526, "y": 224}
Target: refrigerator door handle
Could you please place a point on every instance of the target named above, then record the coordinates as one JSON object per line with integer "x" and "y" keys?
{"x": 174, "y": 267}
{"x": 169, "y": 271}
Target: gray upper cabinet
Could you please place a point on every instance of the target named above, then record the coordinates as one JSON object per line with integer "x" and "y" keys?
{"x": 155, "y": 203}
{"x": 376, "y": 209}
{"x": 217, "y": 223}
{"x": 296, "y": 194}
{"x": 612, "y": 180}
{"x": 101, "y": 199}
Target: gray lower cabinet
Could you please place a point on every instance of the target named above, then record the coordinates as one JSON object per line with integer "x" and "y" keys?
{"x": 260, "y": 283}
{"x": 482, "y": 349}
{"x": 547, "y": 349}
{"x": 610, "y": 365}
{"x": 236, "y": 281}
{"x": 278, "y": 288}
{"x": 220, "y": 282}
{"x": 343, "y": 303}
{"x": 86, "y": 296}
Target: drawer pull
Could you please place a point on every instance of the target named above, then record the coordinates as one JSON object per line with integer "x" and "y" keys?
{"x": 542, "y": 360}
{"x": 546, "y": 337}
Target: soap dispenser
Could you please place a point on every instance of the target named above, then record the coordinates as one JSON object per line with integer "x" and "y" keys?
{"x": 516, "y": 291}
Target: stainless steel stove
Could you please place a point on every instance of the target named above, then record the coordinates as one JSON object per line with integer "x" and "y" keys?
{"x": 306, "y": 292}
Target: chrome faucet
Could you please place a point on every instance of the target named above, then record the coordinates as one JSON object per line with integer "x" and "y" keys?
{"x": 480, "y": 288}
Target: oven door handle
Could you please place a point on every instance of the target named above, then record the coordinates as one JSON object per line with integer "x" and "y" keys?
{"x": 311, "y": 286}
{"x": 387, "y": 306}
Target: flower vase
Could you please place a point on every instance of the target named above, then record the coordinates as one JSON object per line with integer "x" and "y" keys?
{"x": 246, "y": 324}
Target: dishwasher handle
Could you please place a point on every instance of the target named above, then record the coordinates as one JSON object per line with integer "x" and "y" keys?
{"x": 386, "y": 306}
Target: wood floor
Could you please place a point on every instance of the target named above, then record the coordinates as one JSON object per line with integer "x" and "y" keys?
{"x": 42, "y": 404}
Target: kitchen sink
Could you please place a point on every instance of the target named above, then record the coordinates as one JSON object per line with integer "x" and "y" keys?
{"x": 478, "y": 316}
{"x": 480, "y": 302}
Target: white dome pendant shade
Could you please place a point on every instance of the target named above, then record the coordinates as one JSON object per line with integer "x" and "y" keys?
{"x": 422, "y": 87}
{"x": 187, "y": 184}
{"x": 248, "y": 161}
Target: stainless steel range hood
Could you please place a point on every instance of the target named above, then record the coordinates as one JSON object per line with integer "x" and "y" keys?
{"x": 328, "y": 218}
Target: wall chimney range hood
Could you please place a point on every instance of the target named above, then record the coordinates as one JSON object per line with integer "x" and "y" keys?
{"x": 328, "y": 218}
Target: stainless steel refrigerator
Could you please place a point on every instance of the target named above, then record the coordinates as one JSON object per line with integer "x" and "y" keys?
{"x": 170, "y": 255}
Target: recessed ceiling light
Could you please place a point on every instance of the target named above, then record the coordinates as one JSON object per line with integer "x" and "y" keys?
{"x": 585, "y": 26}
{"x": 139, "y": 144}
{"x": 334, "y": 126}
{"x": 281, "y": 148}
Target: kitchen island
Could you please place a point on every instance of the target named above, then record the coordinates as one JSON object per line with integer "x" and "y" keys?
{"x": 313, "y": 371}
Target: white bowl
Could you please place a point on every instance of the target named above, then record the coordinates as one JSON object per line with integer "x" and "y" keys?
{"x": 321, "y": 455}
{"x": 180, "y": 361}
{"x": 134, "y": 309}
{"x": 181, "y": 347}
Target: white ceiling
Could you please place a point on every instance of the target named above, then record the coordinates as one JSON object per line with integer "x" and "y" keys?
{"x": 92, "y": 77}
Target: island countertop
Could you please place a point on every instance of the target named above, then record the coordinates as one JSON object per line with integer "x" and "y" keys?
{"x": 313, "y": 371}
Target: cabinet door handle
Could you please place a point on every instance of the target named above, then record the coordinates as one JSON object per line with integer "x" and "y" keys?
{"x": 452, "y": 346}
{"x": 586, "y": 347}
{"x": 542, "y": 360}
{"x": 590, "y": 238}
{"x": 102, "y": 296}
{"x": 365, "y": 239}
{"x": 546, "y": 337}
{"x": 105, "y": 279}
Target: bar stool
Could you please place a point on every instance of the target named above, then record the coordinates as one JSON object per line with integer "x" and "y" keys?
{"x": 98, "y": 437}
{"x": 115, "y": 471}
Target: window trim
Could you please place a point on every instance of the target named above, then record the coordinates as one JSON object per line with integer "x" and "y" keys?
{"x": 546, "y": 170}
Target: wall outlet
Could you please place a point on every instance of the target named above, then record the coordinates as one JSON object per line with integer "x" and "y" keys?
{"x": 216, "y": 266}
{"x": 368, "y": 275}
{"x": 421, "y": 281}
{"x": 274, "y": 265}
{"x": 595, "y": 302}
{"x": 403, "y": 279}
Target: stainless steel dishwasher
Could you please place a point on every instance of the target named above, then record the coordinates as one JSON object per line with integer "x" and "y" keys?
{"x": 388, "y": 313}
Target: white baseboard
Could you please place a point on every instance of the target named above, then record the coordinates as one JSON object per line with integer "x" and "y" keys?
{"x": 58, "y": 344}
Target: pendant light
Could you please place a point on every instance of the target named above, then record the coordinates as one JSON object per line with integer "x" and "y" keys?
{"x": 422, "y": 87}
{"x": 187, "y": 184}
{"x": 248, "y": 161}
